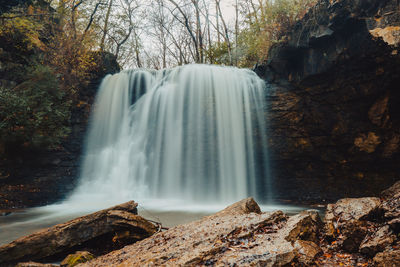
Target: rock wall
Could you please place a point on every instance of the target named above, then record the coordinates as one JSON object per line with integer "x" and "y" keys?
{"x": 334, "y": 113}
{"x": 35, "y": 178}
{"x": 334, "y": 102}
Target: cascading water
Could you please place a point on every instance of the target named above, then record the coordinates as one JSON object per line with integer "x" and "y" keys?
{"x": 182, "y": 143}
{"x": 195, "y": 133}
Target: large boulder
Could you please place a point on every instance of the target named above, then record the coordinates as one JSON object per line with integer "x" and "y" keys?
{"x": 389, "y": 258}
{"x": 362, "y": 231}
{"x": 245, "y": 206}
{"x": 350, "y": 209}
{"x": 238, "y": 235}
{"x": 391, "y": 210}
{"x": 377, "y": 241}
{"x": 307, "y": 251}
{"x": 391, "y": 206}
{"x": 303, "y": 226}
{"x": 346, "y": 220}
{"x": 98, "y": 232}
{"x": 391, "y": 191}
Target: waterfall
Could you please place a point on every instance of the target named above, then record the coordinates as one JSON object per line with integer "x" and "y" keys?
{"x": 195, "y": 133}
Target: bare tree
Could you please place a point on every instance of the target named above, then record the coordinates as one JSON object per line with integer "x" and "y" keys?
{"x": 185, "y": 20}
{"x": 120, "y": 28}
{"x": 105, "y": 27}
{"x": 226, "y": 31}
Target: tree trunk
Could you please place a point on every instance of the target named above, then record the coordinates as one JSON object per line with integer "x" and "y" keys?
{"x": 105, "y": 29}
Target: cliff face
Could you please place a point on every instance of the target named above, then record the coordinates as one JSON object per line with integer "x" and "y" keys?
{"x": 334, "y": 113}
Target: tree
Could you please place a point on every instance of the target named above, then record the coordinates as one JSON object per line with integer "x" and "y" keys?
{"x": 105, "y": 28}
{"x": 265, "y": 23}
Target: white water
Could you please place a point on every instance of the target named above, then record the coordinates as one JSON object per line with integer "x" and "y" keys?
{"x": 182, "y": 143}
{"x": 194, "y": 134}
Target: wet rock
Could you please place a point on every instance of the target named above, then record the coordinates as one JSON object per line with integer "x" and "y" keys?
{"x": 308, "y": 251}
{"x": 391, "y": 191}
{"x": 76, "y": 258}
{"x": 35, "y": 264}
{"x": 245, "y": 206}
{"x": 391, "y": 209}
{"x": 94, "y": 231}
{"x": 352, "y": 235}
{"x": 231, "y": 237}
{"x": 391, "y": 206}
{"x": 359, "y": 229}
{"x": 304, "y": 226}
{"x": 351, "y": 209}
{"x": 346, "y": 220}
{"x": 387, "y": 259}
{"x": 377, "y": 241}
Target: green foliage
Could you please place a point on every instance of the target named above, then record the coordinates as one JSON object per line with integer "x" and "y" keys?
{"x": 20, "y": 36}
{"x": 35, "y": 113}
{"x": 268, "y": 26}
{"x": 44, "y": 65}
{"x": 218, "y": 53}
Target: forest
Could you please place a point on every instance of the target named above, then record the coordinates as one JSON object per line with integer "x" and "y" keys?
{"x": 50, "y": 49}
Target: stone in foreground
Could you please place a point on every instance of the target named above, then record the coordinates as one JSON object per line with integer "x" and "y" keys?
{"x": 387, "y": 259}
{"x": 377, "y": 241}
{"x": 98, "y": 231}
{"x": 346, "y": 220}
{"x": 35, "y": 264}
{"x": 239, "y": 235}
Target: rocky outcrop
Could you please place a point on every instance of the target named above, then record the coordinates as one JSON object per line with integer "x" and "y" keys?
{"x": 234, "y": 236}
{"x": 99, "y": 232}
{"x": 242, "y": 235}
{"x": 334, "y": 125}
{"x": 377, "y": 241}
{"x": 35, "y": 264}
{"x": 387, "y": 259}
{"x": 357, "y": 231}
{"x": 391, "y": 211}
{"x": 244, "y": 206}
{"x": 347, "y": 221}
{"x": 391, "y": 191}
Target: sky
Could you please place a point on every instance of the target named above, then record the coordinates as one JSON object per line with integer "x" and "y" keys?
{"x": 228, "y": 10}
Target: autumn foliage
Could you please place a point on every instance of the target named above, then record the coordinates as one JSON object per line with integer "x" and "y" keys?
{"x": 44, "y": 64}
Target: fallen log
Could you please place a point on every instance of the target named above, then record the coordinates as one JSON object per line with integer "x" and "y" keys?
{"x": 102, "y": 231}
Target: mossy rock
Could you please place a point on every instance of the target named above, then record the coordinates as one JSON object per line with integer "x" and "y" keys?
{"x": 76, "y": 258}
